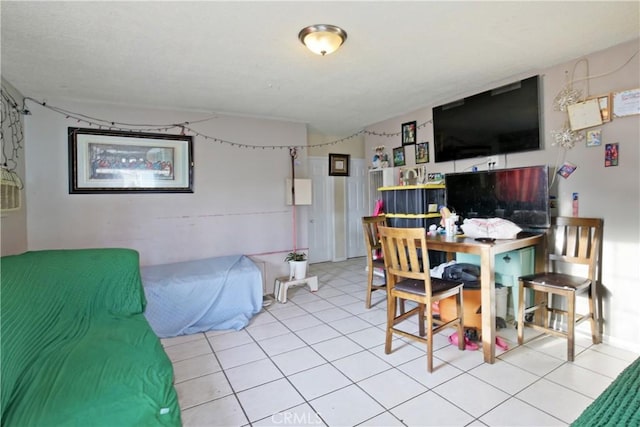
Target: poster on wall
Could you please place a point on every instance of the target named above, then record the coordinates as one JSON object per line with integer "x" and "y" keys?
{"x": 611, "y": 154}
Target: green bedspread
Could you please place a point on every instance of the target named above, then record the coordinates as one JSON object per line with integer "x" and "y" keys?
{"x": 75, "y": 346}
{"x": 618, "y": 405}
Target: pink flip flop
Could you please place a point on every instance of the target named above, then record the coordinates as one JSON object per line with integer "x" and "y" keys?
{"x": 501, "y": 343}
{"x": 468, "y": 345}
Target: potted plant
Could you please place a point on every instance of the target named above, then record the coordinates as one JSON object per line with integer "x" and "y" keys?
{"x": 297, "y": 265}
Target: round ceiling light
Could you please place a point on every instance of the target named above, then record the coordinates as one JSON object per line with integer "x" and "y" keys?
{"x": 322, "y": 39}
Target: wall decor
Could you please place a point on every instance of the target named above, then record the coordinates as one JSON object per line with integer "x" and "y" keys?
{"x": 611, "y": 154}
{"x": 339, "y": 164}
{"x": 422, "y": 153}
{"x": 409, "y": 133}
{"x": 398, "y": 156}
{"x": 626, "y": 103}
{"x": 604, "y": 102}
{"x": 594, "y": 137}
{"x": 106, "y": 161}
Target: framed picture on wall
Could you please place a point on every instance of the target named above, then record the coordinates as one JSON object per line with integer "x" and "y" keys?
{"x": 106, "y": 161}
{"x": 409, "y": 133}
{"x": 339, "y": 164}
{"x": 398, "y": 156}
{"x": 422, "y": 153}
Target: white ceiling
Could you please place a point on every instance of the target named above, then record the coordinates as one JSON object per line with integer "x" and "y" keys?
{"x": 244, "y": 58}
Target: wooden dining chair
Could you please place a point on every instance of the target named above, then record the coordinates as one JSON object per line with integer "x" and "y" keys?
{"x": 573, "y": 244}
{"x": 370, "y": 226}
{"x": 408, "y": 279}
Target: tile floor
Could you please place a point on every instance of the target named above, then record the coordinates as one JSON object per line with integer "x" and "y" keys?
{"x": 319, "y": 360}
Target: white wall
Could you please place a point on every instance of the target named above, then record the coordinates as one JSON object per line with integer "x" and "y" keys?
{"x": 612, "y": 193}
{"x": 238, "y": 205}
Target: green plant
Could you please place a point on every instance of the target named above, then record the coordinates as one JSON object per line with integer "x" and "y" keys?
{"x": 296, "y": 256}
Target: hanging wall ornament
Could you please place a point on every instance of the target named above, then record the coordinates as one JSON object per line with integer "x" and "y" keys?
{"x": 567, "y": 96}
{"x": 566, "y": 138}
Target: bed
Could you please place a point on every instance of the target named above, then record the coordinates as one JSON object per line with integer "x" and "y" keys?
{"x": 197, "y": 296}
{"x": 618, "y": 405}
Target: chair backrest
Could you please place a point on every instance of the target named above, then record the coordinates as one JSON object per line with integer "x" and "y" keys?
{"x": 370, "y": 226}
{"x": 405, "y": 252}
{"x": 574, "y": 240}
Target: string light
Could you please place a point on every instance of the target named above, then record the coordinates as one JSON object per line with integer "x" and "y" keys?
{"x": 184, "y": 127}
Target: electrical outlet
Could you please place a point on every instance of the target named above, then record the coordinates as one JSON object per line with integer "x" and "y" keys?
{"x": 492, "y": 162}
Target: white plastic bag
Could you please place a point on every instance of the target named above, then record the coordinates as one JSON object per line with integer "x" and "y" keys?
{"x": 495, "y": 228}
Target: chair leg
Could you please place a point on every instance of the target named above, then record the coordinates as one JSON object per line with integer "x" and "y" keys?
{"x": 367, "y": 303}
{"x": 421, "y": 319}
{"x": 595, "y": 328}
{"x": 391, "y": 314}
{"x": 520, "y": 313}
{"x": 460, "y": 315}
{"x": 429, "y": 319}
{"x": 571, "y": 326}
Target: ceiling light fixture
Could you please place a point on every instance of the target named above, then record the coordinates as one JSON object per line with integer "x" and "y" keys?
{"x": 322, "y": 39}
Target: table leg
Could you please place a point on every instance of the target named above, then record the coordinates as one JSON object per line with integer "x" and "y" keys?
{"x": 488, "y": 297}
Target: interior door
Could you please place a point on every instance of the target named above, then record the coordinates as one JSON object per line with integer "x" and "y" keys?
{"x": 320, "y": 214}
{"x": 357, "y": 207}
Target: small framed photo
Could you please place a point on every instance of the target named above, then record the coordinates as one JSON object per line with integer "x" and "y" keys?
{"x": 106, "y": 161}
{"x": 409, "y": 133}
{"x": 422, "y": 153}
{"x": 594, "y": 138}
{"x": 604, "y": 103}
{"x": 611, "y": 154}
{"x": 398, "y": 156}
{"x": 339, "y": 164}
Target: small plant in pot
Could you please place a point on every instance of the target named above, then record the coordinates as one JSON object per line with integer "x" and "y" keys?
{"x": 297, "y": 265}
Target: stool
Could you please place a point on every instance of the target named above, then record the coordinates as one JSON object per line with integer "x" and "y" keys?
{"x": 283, "y": 284}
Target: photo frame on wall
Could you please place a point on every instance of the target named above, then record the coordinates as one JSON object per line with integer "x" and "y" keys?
{"x": 409, "y": 133}
{"x": 604, "y": 103}
{"x": 398, "y": 156}
{"x": 422, "y": 153}
{"x": 106, "y": 161}
{"x": 339, "y": 164}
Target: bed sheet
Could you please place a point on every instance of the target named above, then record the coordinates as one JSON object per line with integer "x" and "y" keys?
{"x": 196, "y": 296}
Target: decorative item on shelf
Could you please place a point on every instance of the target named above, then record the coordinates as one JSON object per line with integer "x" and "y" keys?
{"x": 297, "y": 265}
{"x": 398, "y": 156}
{"x": 422, "y": 153}
{"x": 380, "y": 159}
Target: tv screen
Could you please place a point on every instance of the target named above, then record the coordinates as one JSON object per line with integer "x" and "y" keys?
{"x": 499, "y": 121}
{"x": 520, "y": 195}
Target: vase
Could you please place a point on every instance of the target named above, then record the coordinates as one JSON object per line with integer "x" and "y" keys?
{"x": 297, "y": 270}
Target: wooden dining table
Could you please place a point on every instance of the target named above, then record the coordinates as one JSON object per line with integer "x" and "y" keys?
{"x": 487, "y": 252}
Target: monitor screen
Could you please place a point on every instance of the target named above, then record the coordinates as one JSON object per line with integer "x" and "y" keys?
{"x": 520, "y": 195}
{"x": 499, "y": 121}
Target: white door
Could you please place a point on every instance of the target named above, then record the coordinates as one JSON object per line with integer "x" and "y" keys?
{"x": 320, "y": 214}
{"x": 357, "y": 207}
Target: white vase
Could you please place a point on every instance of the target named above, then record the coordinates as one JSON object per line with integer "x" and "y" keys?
{"x": 297, "y": 270}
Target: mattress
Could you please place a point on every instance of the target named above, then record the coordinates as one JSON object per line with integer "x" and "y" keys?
{"x": 196, "y": 296}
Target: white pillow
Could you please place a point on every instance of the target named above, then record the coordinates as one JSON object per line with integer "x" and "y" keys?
{"x": 496, "y": 228}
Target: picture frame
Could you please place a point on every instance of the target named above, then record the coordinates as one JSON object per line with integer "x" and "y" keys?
{"x": 409, "y": 133}
{"x": 109, "y": 161}
{"x": 422, "y": 153}
{"x": 339, "y": 164}
{"x": 398, "y": 156}
{"x": 626, "y": 103}
{"x": 604, "y": 103}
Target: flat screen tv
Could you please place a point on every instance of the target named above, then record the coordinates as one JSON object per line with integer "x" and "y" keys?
{"x": 520, "y": 195}
{"x": 499, "y": 121}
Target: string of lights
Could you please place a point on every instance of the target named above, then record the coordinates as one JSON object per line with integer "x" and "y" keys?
{"x": 186, "y": 127}
{"x": 11, "y": 120}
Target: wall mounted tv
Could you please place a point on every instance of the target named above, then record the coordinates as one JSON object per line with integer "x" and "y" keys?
{"x": 520, "y": 195}
{"x": 499, "y": 121}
